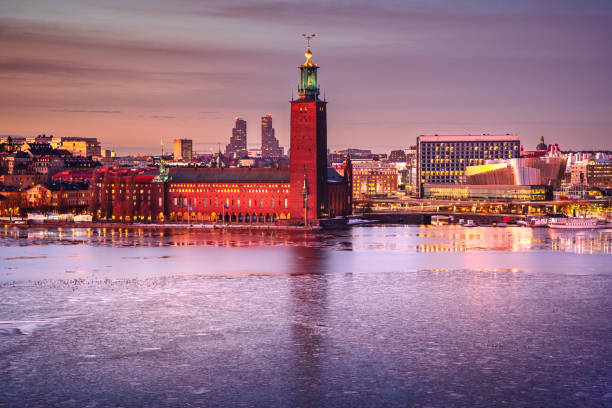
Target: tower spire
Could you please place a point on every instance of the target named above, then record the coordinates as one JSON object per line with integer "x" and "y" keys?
{"x": 308, "y": 88}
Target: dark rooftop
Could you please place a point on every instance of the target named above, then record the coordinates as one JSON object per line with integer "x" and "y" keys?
{"x": 232, "y": 175}
{"x": 333, "y": 176}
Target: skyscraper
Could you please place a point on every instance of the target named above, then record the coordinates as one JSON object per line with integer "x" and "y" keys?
{"x": 237, "y": 147}
{"x": 269, "y": 143}
{"x": 183, "y": 149}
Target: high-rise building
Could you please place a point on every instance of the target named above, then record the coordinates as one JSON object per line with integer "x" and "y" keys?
{"x": 308, "y": 145}
{"x": 237, "y": 147}
{"x": 183, "y": 150}
{"x": 443, "y": 159}
{"x": 269, "y": 143}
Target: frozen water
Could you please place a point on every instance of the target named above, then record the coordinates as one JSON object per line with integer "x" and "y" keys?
{"x": 371, "y": 316}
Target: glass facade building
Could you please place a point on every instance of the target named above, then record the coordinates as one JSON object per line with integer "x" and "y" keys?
{"x": 443, "y": 159}
{"x": 488, "y": 192}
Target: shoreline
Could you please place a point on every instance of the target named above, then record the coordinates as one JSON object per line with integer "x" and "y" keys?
{"x": 196, "y": 227}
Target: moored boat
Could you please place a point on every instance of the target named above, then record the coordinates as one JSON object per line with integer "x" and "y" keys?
{"x": 576, "y": 223}
{"x": 537, "y": 222}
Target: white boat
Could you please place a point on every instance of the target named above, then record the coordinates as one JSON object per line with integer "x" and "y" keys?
{"x": 576, "y": 223}
{"x": 470, "y": 223}
{"x": 440, "y": 220}
{"x": 538, "y": 222}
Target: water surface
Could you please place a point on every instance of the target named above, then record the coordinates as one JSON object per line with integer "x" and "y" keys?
{"x": 372, "y": 316}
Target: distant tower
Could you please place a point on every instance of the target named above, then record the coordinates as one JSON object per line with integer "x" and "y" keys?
{"x": 542, "y": 146}
{"x": 308, "y": 171}
{"x": 237, "y": 146}
{"x": 183, "y": 149}
{"x": 269, "y": 143}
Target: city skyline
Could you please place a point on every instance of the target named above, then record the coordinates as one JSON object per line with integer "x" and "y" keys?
{"x": 131, "y": 75}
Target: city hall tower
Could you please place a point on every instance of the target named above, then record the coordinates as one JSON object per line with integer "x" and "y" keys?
{"x": 308, "y": 169}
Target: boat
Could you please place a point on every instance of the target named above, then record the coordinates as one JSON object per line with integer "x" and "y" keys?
{"x": 440, "y": 220}
{"x": 470, "y": 223}
{"x": 537, "y": 222}
{"x": 576, "y": 223}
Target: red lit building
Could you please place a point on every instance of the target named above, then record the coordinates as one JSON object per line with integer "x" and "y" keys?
{"x": 306, "y": 192}
{"x": 126, "y": 195}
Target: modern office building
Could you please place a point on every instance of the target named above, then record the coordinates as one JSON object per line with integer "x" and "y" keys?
{"x": 443, "y": 159}
{"x": 183, "y": 150}
{"x": 237, "y": 147}
{"x": 269, "y": 143}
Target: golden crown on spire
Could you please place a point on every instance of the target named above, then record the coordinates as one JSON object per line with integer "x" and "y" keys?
{"x": 308, "y": 53}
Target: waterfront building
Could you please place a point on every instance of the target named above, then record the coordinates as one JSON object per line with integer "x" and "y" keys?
{"x": 183, "y": 150}
{"x": 546, "y": 171}
{"x": 269, "y": 143}
{"x": 237, "y": 147}
{"x": 487, "y": 192}
{"x": 443, "y": 159}
{"x": 593, "y": 173}
{"x": 599, "y": 173}
{"x": 57, "y": 197}
{"x": 308, "y": 168}
{"x": 373, "y": 178}
{"x": 126, "y": 195}
{"x": 305, "y": 192}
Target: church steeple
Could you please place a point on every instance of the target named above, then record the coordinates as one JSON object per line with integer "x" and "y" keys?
{"x": 308, "y": 88}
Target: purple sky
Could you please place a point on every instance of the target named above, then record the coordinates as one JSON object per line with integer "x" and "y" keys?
{"x": 132, "y": 72}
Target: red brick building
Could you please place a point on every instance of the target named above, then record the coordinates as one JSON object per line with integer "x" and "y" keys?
{"x": 306, "y": 192}
{"x": 126, "y": 195}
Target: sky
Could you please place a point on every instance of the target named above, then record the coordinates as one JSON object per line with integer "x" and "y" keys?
{"x": 133, "y": 72}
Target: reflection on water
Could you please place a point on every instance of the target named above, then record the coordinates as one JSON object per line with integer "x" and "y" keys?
{"x": 308, "y": 308}
{"x": 388, "y": 238}
{"x": 374, "y": 316}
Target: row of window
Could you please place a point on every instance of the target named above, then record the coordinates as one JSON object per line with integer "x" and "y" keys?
{"x": 193, "y": 202}
{"x": 226, "y": 190}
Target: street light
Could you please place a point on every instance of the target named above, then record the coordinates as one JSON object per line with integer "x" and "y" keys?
{"x": 305, "y": 195}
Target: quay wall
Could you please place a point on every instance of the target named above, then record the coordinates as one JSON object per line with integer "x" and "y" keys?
{"x": 425, "y": 217}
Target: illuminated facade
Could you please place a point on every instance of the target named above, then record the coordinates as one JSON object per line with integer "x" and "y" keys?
{"x": 520, "y": 172}
{"x": 183, "y": 150}
{"x": 237, "y": 147}
{"x": 373, "y": 178}
{"x": 308, "y": 169}
{"x": 126, "y": 195}
{"x": 443, "y": 159}
{"x": 487, "y": 192}
{"x": 594, "y": 173}
{"x": 81, "y": 146}
{"x": 269, "y": 143}
{"x": 302, "y": 194}
{"x": 60, "y": 197}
